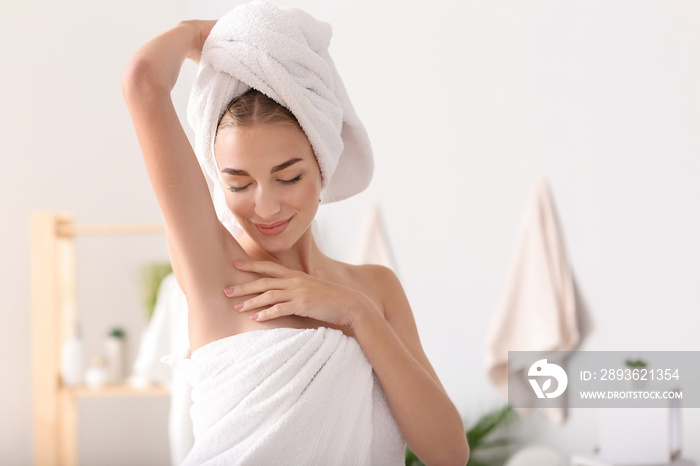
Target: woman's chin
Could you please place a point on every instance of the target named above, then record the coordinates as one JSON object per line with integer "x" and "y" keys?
{"x": 273, "y": 244}
{"x": 274, "y": 247}
{"x": 280, "y": 242}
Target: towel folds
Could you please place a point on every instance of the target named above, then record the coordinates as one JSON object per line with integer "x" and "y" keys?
{"x": 289, "y": 396}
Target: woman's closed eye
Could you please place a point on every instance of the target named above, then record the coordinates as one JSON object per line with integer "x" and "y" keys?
{"x": 237, "y": 189}
{"x": 292, "y": 181}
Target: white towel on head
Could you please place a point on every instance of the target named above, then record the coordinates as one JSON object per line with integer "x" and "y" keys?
{"x": 282, "y": 53}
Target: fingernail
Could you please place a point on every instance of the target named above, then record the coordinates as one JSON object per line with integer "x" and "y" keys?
{"x": 254, "y": 317}
{"x": 228, "y": 291}
{"x": 238, "y": 262}
{"x": 238, "y": 306}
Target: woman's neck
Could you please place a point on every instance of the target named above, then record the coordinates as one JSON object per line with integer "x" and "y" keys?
{"x": 305, "y": 255}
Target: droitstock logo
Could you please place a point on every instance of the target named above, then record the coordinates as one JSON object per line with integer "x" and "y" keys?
{"x": 603, "y": 379}
{"x": 543, "y": 370}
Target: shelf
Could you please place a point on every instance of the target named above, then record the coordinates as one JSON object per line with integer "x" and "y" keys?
{"x": 116, "y": 390}
{"x": 71, "y": 229}
{"x": 54, "y": 314}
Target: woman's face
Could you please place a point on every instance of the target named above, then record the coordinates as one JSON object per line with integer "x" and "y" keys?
{"x": 272, "y": 181}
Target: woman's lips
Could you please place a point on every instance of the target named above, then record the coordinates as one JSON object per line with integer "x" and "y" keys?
{"x": 273, "y": 229}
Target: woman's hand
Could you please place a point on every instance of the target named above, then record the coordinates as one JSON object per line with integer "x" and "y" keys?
{"x": 284, "y": 292}
{"x": 155, "y": 67}
{"x": 390, "y": 342}
{"x": 202, "y": 28}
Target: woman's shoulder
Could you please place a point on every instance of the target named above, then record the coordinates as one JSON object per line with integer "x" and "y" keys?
{"x": 377, "y": 281}
{"x": 369, "y": 274}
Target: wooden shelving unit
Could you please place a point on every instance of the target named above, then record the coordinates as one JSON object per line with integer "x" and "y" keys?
{"x": 54, "y": 314}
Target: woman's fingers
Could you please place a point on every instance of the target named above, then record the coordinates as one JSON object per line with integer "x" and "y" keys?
{"x": 267, "y": 299}
{"x": 288, "y": 292}
{"x": 268, "y": 268}
{"x": 275, "y": 273}
{"x": 205, "y": 28}
{"x": 259, "y": 285}
{"x": 273, "y": 312}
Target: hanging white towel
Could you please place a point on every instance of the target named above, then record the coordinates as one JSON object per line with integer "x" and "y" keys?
{"x": 537, "y": 312}
{"x": 372, "y": 245}
{"x": 166, "y": 334}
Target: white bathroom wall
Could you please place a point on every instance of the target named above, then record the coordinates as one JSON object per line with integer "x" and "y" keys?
{"x": 467, "y": 105}
{"x": 67, "y": 144}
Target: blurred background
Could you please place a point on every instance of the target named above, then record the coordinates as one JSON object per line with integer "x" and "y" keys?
{"x": 468, "y": 105}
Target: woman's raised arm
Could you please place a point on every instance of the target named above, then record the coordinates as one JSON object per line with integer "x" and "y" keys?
{"x": 201, "y": 249}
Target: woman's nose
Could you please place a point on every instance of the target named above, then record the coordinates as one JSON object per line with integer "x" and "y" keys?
{"x": 266, "y": 203}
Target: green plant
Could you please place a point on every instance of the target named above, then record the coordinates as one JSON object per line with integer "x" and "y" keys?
{"x": 117, "y": 332}
{"x": 152, "y": 275}
{"x": 484, "y": 449}
{"x": 635, "y": 363}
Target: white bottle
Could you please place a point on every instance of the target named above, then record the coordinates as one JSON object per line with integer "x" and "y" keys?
{"x": 97, "y": 375}
{"x": 115, "y": 352}
{"x": 72, "y": 361}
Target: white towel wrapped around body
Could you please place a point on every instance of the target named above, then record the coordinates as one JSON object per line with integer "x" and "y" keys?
{"x": 289, "y": 396}
{"x": 282, "y": 53}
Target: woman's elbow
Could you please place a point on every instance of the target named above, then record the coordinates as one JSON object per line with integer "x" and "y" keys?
{"x": 139, "y": 80}
{"x": 463, "y": 453}
{"x": 133, "y": 74}
{"x": 459, "y": 455}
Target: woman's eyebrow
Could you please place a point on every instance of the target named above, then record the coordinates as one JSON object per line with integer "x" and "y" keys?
{"x": 284, "y": 165}
{"x": 276, "y": 168}
{"x": 234, "y": 172}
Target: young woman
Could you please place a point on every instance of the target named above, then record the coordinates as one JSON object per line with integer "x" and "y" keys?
{"x": 274, "y": 276}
